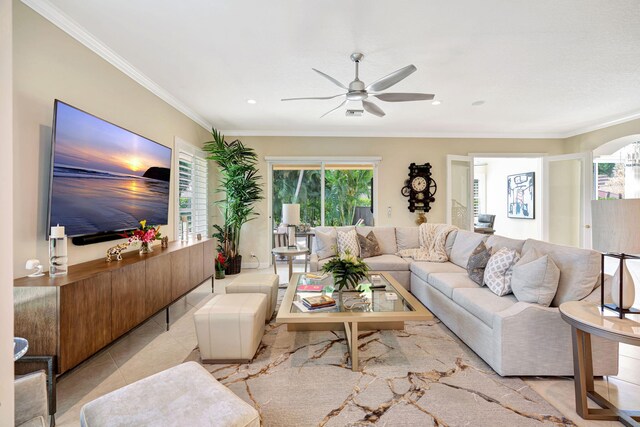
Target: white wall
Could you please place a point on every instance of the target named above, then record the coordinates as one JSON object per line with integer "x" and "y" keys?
{"x": 49, "y": 64}
{"x": 496, "y": 171}
{"x": 6, "y": 191}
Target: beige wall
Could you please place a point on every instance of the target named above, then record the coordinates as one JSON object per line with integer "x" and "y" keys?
{"x": 396, "y": 153}
{"x": 49, "y": 64}
{"x": 6, "y": 191}
{"x": 591, "y": 140}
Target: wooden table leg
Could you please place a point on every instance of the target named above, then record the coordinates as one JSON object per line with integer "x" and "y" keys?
{"x": 579, "y": 377}
{"x": 290, "y": 266}
{"x": 351, "y": 332}
{"x": 275, "y": 268}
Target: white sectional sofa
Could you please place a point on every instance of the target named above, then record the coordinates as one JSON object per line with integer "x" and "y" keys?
{"x": 513, "y": 337}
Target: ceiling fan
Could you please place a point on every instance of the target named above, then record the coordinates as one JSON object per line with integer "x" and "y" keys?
{"x": 358, "y": 92}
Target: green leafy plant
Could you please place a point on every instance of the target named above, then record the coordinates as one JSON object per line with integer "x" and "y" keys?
{"x": 347, "y": 270}
{"x": 241, "y": 185}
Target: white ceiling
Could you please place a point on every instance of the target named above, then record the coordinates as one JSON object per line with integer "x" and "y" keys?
{"x": 544, "y": 68}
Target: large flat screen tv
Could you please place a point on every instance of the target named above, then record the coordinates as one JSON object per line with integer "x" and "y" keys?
{"x": 104, "y": 178}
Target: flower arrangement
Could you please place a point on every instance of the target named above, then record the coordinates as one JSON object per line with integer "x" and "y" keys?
{"x": 347, "y": 270}
{"x": 145, "y": 234}
{"x": 221, "y": 263}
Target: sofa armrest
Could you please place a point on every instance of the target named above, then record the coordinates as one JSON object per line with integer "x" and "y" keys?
{"x": 313, "y": 262}
{"x": 31, "y": 400}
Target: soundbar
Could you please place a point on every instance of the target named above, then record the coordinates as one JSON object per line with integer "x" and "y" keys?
{"x": 97, "y": 238}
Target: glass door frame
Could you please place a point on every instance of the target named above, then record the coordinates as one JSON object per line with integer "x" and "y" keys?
{"x": 322, "y": 161}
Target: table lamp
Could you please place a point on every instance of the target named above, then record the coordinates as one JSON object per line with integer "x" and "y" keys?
{"x": 291, "y": 218}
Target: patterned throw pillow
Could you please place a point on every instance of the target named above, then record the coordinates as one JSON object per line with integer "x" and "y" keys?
{"x": 348, "y": 241}
{"x": 369, "y": 246}
{"x": 497, "y": 274}
{"x": 477, "y": 263}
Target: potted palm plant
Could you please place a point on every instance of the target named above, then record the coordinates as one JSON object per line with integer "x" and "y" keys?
{"x": 240, "y": 183}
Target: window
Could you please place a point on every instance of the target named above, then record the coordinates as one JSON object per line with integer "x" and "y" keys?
{"x": 331, "y": 192}
{"x": 192, "y": 188}
{"x": 476, "y": 197}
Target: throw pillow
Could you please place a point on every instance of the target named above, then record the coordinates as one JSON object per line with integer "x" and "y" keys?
{"x": 325, "y": 244}
{"x": 497, "y": 274}
{"x": 477, "y": 263}
{"x": 348, "y": 241}
{"x": 535, "y": 281}
{"x": 369, "y": 246}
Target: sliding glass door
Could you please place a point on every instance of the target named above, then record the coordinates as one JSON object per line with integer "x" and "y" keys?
{"x": 348, "y": 190}
{"x": 302, "y": 184}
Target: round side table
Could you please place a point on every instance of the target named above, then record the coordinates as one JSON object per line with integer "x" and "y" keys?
{"x": 587, "y": 319}
{"x": 290, "y": 253}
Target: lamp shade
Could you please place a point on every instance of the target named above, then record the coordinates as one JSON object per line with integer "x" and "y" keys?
{"x": 291, "y": 213}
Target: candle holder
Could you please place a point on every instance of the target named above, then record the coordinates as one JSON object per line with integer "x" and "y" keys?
{"x": 57, "y": 254}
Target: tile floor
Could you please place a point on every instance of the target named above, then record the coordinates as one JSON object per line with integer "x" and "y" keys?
{"x": 150, "y": 349}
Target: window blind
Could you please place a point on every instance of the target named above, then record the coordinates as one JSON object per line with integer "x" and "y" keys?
{"x": 192, "y": 190}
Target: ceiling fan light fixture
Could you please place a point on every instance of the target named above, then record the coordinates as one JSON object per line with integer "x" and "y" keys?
{"x": 354, "y": 113}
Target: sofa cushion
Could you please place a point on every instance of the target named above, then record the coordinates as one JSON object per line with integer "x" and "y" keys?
{"x": 423, "y": 269}
{"x": 369, "y": 246}
{"x": 497, "y": 275}
{"x": 495, "y": 243}
{"x": 477, "y": 263}
{"x": 447, "y": 282}
{"x": 325, "y": 243}
{"x": 387, "y": 263}
{"x": 407, "y": 238}
{"x": 535, "y": 279}
{"x": 464, "y": 244}
{"x": 386, "y": 237}
{"x": 579, "y": 269}
{"x": 348, "y": 242}
{"x": 451, "y": 238}
{"x": 482, "y": 303}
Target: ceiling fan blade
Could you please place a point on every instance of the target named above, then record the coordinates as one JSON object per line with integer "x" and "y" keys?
{"x": 372, "y": 108}
{"x": 317, "y": 97}
{"x": 331, "y": 79}
{"x": 403, "y": 97}
{"x": 391, "y": 79}
{"x": 334, "y": 109}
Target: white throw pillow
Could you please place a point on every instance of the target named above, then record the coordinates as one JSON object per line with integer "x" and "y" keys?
{"x": 348, "y": 241}
{"x": 535, "y": 279}
{"x": 326, "y": 244}
{"x": 497, "y": 274}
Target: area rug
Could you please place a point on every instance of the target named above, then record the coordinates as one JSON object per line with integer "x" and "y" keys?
{"x": 422, "y": 376}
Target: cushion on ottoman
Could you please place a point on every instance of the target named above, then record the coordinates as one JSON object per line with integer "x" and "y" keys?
{"x": 257, "y": 283}
{"x": 230, "y": 326}
{"x": 185, "y": 395}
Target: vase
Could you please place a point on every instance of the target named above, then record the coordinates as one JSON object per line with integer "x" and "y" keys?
{"x": 145, "y": 248}
{"x": 219, "y": 274}
{"x": 628, "y": 288}
{"x": 233, "y": 265}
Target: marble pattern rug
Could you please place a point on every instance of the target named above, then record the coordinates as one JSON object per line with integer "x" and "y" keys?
{"x": 422, "y": 376}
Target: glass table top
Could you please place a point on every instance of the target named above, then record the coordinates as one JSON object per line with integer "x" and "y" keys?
{"x": 376, "y": 295}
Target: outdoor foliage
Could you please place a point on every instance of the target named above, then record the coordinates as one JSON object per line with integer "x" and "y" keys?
{"x": 344, "y": 191}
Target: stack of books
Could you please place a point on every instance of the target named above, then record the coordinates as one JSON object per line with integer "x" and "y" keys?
{"x": 318, "y": 302}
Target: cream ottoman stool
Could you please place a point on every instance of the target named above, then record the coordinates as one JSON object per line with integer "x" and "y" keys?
{"x": 185, "y": 395}
{"x": 257, "y": 283}
{"x": 230, "y": 327}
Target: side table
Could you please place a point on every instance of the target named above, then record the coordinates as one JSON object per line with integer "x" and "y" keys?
{"x": 289, "y": 253}
{"x": 586, "y": 319}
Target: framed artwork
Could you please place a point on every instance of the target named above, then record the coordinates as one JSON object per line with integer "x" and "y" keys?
{"x": 521, "y": 194}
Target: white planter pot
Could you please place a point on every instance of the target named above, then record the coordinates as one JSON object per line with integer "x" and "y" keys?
{"x": 628, "y": 289}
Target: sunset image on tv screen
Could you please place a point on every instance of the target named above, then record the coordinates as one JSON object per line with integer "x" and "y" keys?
{"x": 105, "y": 178}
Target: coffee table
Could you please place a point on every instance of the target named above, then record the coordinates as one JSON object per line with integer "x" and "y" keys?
{"x": 378, "y": 312}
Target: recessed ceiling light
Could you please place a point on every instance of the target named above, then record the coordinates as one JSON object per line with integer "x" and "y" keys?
{"x": 251, "y": 101}
{"x": 436, "y": 103}
{"x": 477, "y": 103}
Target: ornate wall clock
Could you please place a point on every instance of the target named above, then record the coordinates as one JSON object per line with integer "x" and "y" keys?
{"x": 420, "y": 188}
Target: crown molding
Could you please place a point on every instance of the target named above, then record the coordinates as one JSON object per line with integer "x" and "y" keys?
{"x": 366, "y": 134}
{"x": 608, "y": 123}
{"x": 58, "y": 18}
